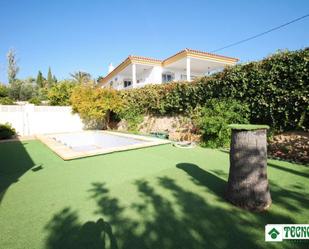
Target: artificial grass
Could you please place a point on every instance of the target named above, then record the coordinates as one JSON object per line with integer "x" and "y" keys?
{"x": 158, "y": 197}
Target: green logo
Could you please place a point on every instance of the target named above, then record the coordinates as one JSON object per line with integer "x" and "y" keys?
{"x": 273, "y": 233}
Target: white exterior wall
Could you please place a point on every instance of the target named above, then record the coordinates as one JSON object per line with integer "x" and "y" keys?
{"x": 150, "y": 76}
{"x": 117, "y": 84}
{"x": 157, "y": 77}
{"x": 30, "y": 120}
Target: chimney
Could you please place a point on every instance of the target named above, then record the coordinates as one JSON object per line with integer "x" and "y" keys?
{"x": 110, "y": 67}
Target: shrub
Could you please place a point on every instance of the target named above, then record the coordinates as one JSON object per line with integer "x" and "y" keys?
{"x": 14, "y": 90}
{"x": 27, "y": 91}
{"x": 95, "y": 104}
{"x": 35, "y": 101}
{"x": 133, "y": 117}
{"x": 4, "y": 91}
{"x": 213, "y": 119}
{"x": 60, "y": 93}
{"x": 43, "y": 94}
{"x": 6, "y": 101}
{"x": 163, "y": 99}
{"x": 6, "y": 131}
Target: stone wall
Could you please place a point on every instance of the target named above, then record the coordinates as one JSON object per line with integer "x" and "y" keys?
{"x": 179, "y": 128}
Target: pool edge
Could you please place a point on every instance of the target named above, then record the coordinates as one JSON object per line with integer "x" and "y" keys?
{"x": 66, "y": 153}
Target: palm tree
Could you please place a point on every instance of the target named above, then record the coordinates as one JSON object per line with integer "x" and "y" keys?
{"x": 248, "y": 184}
{"x": 81, "y": 77}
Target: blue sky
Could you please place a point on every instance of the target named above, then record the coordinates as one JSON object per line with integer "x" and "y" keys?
{"x": 88, "y": 35}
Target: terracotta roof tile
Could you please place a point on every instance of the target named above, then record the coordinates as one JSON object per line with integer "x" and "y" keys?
{"x": 202, "y": 52}
{"x": 143, "y": 58}
{"x": 210, "y": 54}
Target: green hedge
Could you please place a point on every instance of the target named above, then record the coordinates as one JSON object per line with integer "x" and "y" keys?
{"x": 7, "y": 131}
{"x": 276, "y": 90}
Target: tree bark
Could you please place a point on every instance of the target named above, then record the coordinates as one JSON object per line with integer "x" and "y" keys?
{"x": 248, "y": 184}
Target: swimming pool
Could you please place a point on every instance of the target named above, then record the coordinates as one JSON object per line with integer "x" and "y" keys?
{"x": 88, "y": 143}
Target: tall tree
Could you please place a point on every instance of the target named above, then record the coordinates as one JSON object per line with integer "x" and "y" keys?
{"x": 40, "y": 79}
{"x": 55, "y": 79}
{"x": 50, "y": 80}
{"x": 12, "y": 66}
{"x": 81, "y": 77}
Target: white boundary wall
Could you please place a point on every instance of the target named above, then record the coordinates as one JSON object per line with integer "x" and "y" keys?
{"x": 30, "y": 119}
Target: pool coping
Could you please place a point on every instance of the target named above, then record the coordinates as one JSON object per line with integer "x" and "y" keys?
{"x": 68, "y": 154}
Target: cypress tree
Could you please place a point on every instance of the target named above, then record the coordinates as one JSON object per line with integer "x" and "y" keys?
{"x": 50, "y": 80}
{"x": 55, "y": 79}
{"x": 40, "y": 80}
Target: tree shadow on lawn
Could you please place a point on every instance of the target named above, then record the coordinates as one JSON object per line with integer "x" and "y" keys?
{"x": 68, "y": 233}
{"x": 173, "y": 219}
{"x": 14, "y": 162}
{"x": 291, "y": 171}
{"x": 288, "y": 199}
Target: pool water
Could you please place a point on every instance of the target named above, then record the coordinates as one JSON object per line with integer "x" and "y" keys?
{"x": 89, "y": 141}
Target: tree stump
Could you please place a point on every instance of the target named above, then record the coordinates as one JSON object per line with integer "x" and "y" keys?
{"x": 248, "y": 184}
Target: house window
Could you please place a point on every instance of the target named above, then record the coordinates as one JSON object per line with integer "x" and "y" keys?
{"x": 167, "y": 77}
{"x": 183, "y": 77}
{"x": 127, "y": 83}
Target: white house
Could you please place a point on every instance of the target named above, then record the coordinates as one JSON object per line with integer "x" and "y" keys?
{"x": 137, "y": 71}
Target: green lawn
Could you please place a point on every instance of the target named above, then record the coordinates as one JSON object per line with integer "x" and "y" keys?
{"x": 156, "y": 198}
